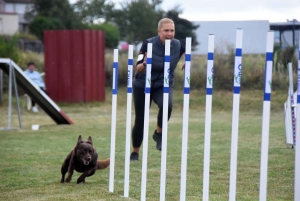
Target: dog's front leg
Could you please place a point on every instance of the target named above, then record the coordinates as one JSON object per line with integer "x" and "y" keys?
{"x": 70, "y": 170}
{"x": 87, "y": 173}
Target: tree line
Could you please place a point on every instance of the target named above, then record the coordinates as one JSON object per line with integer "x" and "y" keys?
{"x": 132, "y": 21}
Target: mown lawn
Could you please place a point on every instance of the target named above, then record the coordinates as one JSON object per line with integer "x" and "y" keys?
{"x": 31, "y": 160}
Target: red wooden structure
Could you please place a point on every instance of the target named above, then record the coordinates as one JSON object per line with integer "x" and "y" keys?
{"x": 74, "y": 65}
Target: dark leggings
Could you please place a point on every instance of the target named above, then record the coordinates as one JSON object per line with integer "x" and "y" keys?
{"x": 139, "y": 102}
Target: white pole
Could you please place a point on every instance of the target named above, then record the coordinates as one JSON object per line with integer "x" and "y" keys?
{"x": 235, "y": 113}
{"x": 165, "y": 122}
{"x": 297, "y": 150}
{"x": 185, "y": 120}
{"x": 208, "y": 109}
{"x": 292, "y": 108}
{"x": 113, "y": 121}
{"x": 128, "y": 121}
{"x": 146, "y": 121}
{"x": 266, "y": 118}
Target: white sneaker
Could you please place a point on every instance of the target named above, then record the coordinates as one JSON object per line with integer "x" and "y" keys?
{"x": 34, "y": 109}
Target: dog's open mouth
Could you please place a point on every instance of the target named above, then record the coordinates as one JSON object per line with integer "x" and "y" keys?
{"x": 85, "y": 162}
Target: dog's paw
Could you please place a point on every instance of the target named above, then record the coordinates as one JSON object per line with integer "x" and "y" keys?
{"x": 68, "y": 180}
{"x": 79, "y": 180}
{"x": 62, "y": 181}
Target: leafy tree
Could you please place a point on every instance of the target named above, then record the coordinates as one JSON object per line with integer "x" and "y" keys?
{"x": 137, "y": 19}
{"x": 9, "y": 47}
{"x": 112, "y": 34}
{"x": 183, "y": 27}
{"x": 40, "y": 23}
{"x": 60, "y": 9}
{"x": 91, "y": 10}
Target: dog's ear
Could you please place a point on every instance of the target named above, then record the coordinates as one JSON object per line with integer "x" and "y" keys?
{"x": 79, "y": 139}
{"x": 90, "y": 141}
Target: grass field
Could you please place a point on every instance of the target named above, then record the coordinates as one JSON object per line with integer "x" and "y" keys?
{"x": 31, "y": 160}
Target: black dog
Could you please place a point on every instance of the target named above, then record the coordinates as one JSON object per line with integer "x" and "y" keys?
{"x": 83, "y": 158}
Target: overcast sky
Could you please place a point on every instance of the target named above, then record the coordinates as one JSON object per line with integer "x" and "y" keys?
{"x": 220, "y": 10}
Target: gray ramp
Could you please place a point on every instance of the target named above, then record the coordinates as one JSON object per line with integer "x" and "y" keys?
{"x": 35, "y": 92}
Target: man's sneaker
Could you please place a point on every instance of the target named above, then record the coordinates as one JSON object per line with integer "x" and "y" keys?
{"x": 134, "y": 156}
{"x": 157, "y": 137}
{"x": 34, "y": 109}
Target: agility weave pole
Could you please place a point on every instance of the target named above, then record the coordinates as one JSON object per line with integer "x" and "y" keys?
{"x": 297, "y": 148}
{"x": 113, "y": 121}
{"x": 146, "y": 121}
{"x": 165, "y": 121}
{"x": 185, "y": 119}
{"x": 266, "y": 118}
{"x": 208, "y": 109}
{"x": 128, "y": 121}
{"x": 235, "y": 113}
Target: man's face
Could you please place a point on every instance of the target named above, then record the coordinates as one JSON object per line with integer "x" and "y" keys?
{"x": 167, "y": 31}
{"x": 31, "y": 67}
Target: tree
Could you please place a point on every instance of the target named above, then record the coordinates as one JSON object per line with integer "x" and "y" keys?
{"x": 40, "y": 23}
{"x": 137, "y": 19}
{"x": 183, "y": 27}
{"x": 60, "y": 9}
{"x": 91, "y": 10}
{"x": 112, "y": 34}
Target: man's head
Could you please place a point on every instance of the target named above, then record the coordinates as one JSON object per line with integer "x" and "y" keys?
{"x": 166, "y": 29}
{"x": 31, "y": 66}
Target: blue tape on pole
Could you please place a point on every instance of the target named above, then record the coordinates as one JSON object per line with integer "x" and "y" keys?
{"x": 166, "y": 89}
{"x": 210, "y": 56}
{"x": 298, "y": 99}
{"x": 167, "y": 58}
{"x": 129, "y": 90}
{"x": 147, "y": 90}
{"x": 236, "y": 90}
{"x": 267, "y": 97}
{"x": 208, "y": 91}
{"x": 115, "y": 90}
{"x": 186, "y": 90}
{"x": 149, "y": 60}
{"x": 269, "y": 56}
{"x": 115, "y": 64}
{"x": 187, "y": 57}
{"x": 130, "y": 61}
{"x": 238, "y": 52}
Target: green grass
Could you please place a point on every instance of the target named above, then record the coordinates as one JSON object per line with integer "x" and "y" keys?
{"x": 31, "y": 160}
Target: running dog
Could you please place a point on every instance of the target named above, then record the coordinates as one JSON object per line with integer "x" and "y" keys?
{"x": 83, "y": 158}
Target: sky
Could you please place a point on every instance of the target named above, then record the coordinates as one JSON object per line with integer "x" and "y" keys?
{"x": 234, "y": 10}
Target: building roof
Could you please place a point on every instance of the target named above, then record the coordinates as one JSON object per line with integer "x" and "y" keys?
{"x": 284, "y": 26}
{"x": 19, "y": 1}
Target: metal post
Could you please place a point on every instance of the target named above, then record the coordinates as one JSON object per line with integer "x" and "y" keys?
{"x": 17, "y": 98}
{"x": 9, "y": 96}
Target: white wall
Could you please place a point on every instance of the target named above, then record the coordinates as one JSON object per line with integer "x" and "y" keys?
{"x": 254, "y": 35}
{"x": 9, "y": 23}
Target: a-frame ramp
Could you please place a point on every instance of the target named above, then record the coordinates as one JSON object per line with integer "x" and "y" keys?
{"x": 38, "y": 95}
